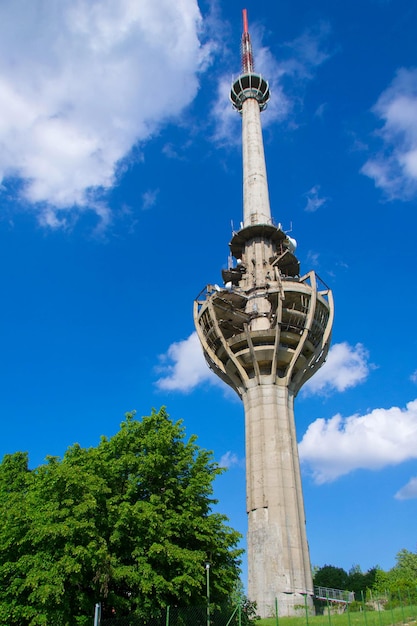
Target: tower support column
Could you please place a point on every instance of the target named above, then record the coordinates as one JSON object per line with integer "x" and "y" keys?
{"x": 278, "y": 556}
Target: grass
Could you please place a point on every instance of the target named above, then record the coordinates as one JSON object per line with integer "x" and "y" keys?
{"x": 397, "y": 616}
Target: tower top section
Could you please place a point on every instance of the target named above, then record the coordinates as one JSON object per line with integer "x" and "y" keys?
{"x": 249, "y": 96}
{"x": 248, "y": 84}
{"x": 246, "y": 46}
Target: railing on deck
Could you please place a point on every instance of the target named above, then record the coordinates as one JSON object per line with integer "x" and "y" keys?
{"x": 334, "y": 595}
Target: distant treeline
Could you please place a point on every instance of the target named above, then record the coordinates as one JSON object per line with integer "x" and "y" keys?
{"x": 399, "y": 582}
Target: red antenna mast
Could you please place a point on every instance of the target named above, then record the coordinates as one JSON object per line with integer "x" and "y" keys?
{"x": 246, "y": 47}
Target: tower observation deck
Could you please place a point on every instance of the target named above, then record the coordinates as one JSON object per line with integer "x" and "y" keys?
{"x": 265, "y": 333}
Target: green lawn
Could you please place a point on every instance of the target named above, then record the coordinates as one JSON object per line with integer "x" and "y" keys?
{"x": 406, "y": 615}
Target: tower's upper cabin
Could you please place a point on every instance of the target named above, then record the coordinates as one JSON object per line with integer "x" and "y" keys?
{"x": 248, "y": 84}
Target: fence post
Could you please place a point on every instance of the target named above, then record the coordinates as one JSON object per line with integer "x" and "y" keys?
{"x": 402, "y": 606}
{"x": 328, "y": 609}
{"x": 364, "y": 608}
{"x": 410, "y": 605}
{"x": 276, "y": 612}
{"x": 306, "y": 608}
{"x": 379, "y": 611}
{"x": 167, "y": 617}
{"x": 208, "y": 591}
{"x": 97, "y": 614}
{"x": 392, "y": 610}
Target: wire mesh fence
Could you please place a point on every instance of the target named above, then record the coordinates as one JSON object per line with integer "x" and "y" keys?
{"x": 366, "y": 610}
{"x": 388, "y": 610}
{"x": 183, "y": 616}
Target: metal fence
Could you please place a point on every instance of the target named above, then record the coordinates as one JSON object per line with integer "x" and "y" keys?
{"x": 183, "y": 616}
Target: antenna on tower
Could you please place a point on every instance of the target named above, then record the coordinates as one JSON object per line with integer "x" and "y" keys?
{"x": 248, "y": 84}
{"x": 246, "y": 47}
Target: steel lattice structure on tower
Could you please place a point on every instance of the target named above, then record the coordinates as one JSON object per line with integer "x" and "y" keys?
{"x": 265, "y": 334}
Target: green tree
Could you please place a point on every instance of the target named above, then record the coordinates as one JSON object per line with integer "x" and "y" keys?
{"x": 406, "y": 566}
{"x": 360, "y": 582}
{"x": 128, "y": 523}
{"x": 331, "y": 577}
{"x": 382, "y": 583}
{"x": 238, "y": 599}
{"x": 400, "y": 582}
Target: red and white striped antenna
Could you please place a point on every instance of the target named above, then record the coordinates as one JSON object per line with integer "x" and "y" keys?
{"x": 246, "y": 47}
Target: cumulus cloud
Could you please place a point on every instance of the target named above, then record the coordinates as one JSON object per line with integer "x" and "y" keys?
{"x": 335, "y": 447}
{"x": 409, "y": 491}
{"x": 394, "y": 167}
{"x": 183, "y": 366}
{"x": 82, "y": 81}
{"x": 314, "y": 201}
{"x": 346, "y": 366}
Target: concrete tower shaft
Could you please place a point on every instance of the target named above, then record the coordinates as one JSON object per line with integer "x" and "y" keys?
{"x": 255, "y": 184}
{"x": 265, "y": 334}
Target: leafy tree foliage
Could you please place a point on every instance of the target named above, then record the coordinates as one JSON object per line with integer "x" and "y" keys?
{"x": 360, "y": 582}
{"x": 129, "y": 523}
{"x": 331, "y": 577}
{"x": 337, "y": 578}
{"x": 401, "y": 581}
{"x": 248, "y": 608}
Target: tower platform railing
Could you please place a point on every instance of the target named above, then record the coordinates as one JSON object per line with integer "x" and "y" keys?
{"x": 334, "y": 595}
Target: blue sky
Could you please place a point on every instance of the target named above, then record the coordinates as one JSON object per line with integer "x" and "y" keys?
{"x": 121, "y": 179}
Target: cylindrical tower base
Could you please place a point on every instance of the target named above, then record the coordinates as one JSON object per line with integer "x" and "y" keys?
{"x": 278, "y": 556}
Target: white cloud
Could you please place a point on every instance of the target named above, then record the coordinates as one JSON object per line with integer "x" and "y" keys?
{"x": 413, "y": 377}
{"x": 184, "y": 367}
{"x": 346, "y": 366}
{"x": 226, "y": 121}
{"x": 335, "y": 447}
{"x": 313, "y": 258}
{"x": 307, "y": 52}
{"x": 314, "y": 201}
{"x": 409, "y": 491}
{"x": 230, "y": 459}
{"x": 175, "y": 152}
{"x": 149, "y": 198}
{"x": 394, "y": 168}
{"x": 82, "y": 81}
{"x": 321, "y": 110}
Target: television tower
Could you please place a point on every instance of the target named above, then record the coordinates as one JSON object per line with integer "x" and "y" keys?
{"x": 265, "y": 333}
